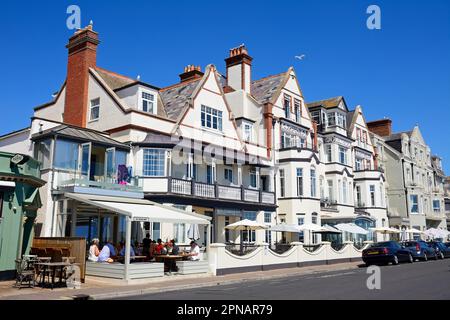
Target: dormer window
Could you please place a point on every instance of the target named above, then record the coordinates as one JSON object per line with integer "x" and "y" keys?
{"x": 248, "y": 132}
{"x": 148, "y": 102}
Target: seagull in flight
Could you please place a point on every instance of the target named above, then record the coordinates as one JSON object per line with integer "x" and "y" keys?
{"x": 300, "y": 57}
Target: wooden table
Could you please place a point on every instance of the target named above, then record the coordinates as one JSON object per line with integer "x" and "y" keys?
{"x": 170, "y": 259}
{"x": 53, "y": 266}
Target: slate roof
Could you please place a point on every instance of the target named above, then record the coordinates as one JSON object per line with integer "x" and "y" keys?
{"x": 327, "y": 103}
{"x": 176, "y": 97}
{"x": 350, "y": 115}
{"x": 397, "y": 136}
{"x": 78, "y": 133}
{"x": 264, "y": 89}
{"x": 114, "y": 80}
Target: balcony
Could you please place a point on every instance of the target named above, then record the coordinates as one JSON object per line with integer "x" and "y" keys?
{"x": 367, "y": 174}
{"x": 216, "y": 191}
{"x": 76, "y": 183}
{"x": 328, "y": 205}
{"x": 359, "y": 205}
{"x": 192, "y": 188}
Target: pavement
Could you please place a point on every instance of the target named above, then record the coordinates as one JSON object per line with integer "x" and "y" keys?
{"x": 420, "y": 280}
{"x": 101, "y": 288}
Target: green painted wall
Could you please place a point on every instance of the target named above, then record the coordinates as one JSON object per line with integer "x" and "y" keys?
{"x": 16, "y": 226}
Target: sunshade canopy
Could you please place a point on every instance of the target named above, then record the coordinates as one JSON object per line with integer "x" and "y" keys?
{"x": 412, "y": 230}
{"x": 293, "y": 228}
{"x": 385, "y": 230}
{"x": 351, "y": 228}
{"x": 140, "y": 209}
{"x": 245, "y": 225}
{"x": 311, "y": 227}
{"x": 329, "y": 229}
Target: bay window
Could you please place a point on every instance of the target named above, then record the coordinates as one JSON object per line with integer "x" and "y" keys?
{"x": 66, "y": 155}
{"x": 313, "y": 183}
{"x": 299, "y": 182}
{"x": 342, "y": 155}
{"x": 154, "y": 162}
{"x": 414, "y": 199}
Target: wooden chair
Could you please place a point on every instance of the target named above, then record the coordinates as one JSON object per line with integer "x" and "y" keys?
{"x": 23, "y": 274}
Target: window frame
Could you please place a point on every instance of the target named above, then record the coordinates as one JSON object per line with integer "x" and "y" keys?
{"x": 208, "y": 112}
{"x": 96, "y": 106}
{"x": 300, "y": 182}
{"x": 152, "y": 102}
{"x": 146, "y": 172}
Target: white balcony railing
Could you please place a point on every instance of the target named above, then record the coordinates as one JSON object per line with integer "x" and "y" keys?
{"x": 251, "y": 195}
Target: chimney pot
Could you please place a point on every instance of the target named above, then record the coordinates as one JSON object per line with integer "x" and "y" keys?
{"x": 191, "y": 72}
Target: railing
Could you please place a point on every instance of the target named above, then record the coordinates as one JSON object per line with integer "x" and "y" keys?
{"x": 360, "y": 205}
{"x": 268, "y": 197}
{"x": 251, "y": 195}
{"x": 211, "y": 191}
{"x": 181, "y": 186}
{"x": 231, "y": 193}
{"x": 311, "y": 247}
{"x": 240, "y": 250}
{"x": 328, "y": 204}
{"x": 204, "y": 190}
{"x": 338, "y": 246}
{"x": 65, "y": 179}
{"x": 280, "y": 248}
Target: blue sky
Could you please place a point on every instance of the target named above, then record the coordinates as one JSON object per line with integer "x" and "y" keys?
{"x": 401, "y": 71}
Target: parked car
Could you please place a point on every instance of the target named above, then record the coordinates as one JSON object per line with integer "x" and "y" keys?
{"x": 420, "y": 250}
{"x": 443, "y": 251}
{"x": 385, "y": 252}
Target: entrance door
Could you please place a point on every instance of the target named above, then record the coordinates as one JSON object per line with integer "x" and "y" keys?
{"x": 85, "y": 160}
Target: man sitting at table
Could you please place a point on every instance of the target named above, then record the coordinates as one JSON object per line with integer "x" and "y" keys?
{"x": 112, "y": 250}
{"x": 175, "y": 248}
{"x": 105, "y": 255}
{"x": 122, "y": 251}
{"x": 194, "y": 254}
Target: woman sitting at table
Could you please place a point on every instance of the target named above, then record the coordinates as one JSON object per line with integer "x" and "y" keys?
{"x": 93, "y": 250}
{"x": 160, "y": 248}
{"x": 105, "y": 255}
{"x": 194, "y": 254}
{"x": 173, "y": 248}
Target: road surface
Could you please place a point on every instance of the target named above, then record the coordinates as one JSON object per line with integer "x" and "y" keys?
{"x": 420, "y": 280}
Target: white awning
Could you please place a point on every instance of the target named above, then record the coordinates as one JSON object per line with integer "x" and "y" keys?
{"x": 140, "y": 209}
{"x": 351, "y": 228}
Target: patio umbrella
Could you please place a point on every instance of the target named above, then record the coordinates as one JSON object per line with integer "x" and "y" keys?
{"x": 311, "y": 227}
{"x": 351, "y": 228}
{"x": 387, "y": 230}
{"x": 193, "y": 232}
{"x": 246, "y": 225}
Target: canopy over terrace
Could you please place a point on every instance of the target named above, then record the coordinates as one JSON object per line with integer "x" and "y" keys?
{"x": 140, "y": 210}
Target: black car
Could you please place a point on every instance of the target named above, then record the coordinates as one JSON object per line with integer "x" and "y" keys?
{"x": 443, "y": 251}
{"x": 420, "y": 250}
{"x": 385, "y": 252}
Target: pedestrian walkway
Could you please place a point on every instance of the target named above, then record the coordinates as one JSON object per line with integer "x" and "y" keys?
{"x": 102, "y": 288}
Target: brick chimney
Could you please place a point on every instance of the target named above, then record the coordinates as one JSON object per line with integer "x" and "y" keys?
{"x": 82, "y": 49}
{"x": 239, "y": 69}
{"x": 191, "y": 72}
{"x": 381, "y": 127}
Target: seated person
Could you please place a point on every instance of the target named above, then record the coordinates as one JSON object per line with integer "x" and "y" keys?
{"x": 105, "y": 255}
{"x": 122, "y": 250}
{"x": 194, "y": 254}
{"x": 160, "y": 248}
{"x": 112, "y": 250}
{"x": 93, "y": 250}
{"x": 146, "y": 243}
{"x": 175, "y": 249}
